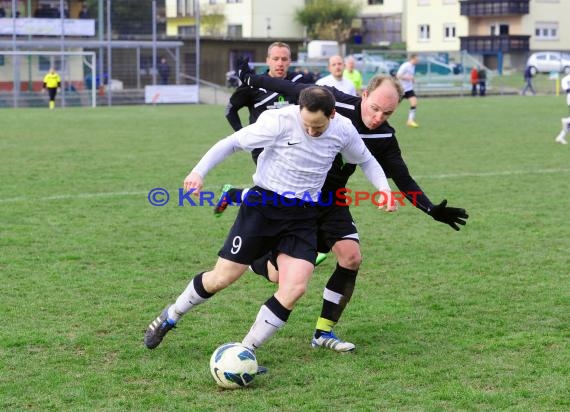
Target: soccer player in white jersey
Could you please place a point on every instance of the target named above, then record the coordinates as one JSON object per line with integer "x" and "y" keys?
{"x": 336, "y": 79}
{"x": 278, "y": 215}
{"x": 561, "y": 138}
{"x": 406, "y": 74}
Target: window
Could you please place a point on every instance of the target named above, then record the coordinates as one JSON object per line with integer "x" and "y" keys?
{"x": 184, "y": 8}
{"x": 234, "y": 30}
{"x": 423, "y": 34}
{"x": 375, "y": 2}
{"x": 212, "y": 2}
{"x": 449, "y": 32}
{"x": 234, "y": 1}
{"x": 546, "y": 31}
{"x": 187, "y": 31}
{"x": 499, "y": 29}
{"x": 45, "y": 63}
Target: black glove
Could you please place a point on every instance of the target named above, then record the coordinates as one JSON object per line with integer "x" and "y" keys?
{"x": 244, "y": 72}
{"x": 450, "y": 215}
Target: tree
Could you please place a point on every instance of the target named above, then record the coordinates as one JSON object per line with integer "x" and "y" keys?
{"x": 328, "y": 19}
{"x": 212, "y": 20}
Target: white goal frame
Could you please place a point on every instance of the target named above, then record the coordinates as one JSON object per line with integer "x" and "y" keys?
{"x": 92, "y": 66}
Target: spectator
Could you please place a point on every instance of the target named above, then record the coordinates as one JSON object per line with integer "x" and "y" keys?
{"x": 335, "y": 78}
{"x": 84, "y": 12}
{"x": 163, "y": 71}
{"x": 482, "y": 75}
{"x": 528, "y": 82}
{"x": 2, "y": 12}
{"x": 474, "y": 81}
{"x": 352, "y": 74}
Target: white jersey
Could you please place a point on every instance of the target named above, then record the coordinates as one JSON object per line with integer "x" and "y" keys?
{"x": 565, "y": 84}
{"x": 344, "y": 85}
{"x": 294, "y": 164}
{"x": 406, "y": 69}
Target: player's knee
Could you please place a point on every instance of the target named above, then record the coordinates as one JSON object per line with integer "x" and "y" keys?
{"x": 350, "y": 258}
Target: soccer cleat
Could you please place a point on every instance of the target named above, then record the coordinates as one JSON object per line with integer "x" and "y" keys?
{"x": 411, "y": 123}
{"x": 321, "y": 257}
{"x": 223, "y": 202}
{"x": 158, "y": 329}
{"x": 261, "y": 370}
{"x": 330, "y": 341}
{"x": 560, "y": 139}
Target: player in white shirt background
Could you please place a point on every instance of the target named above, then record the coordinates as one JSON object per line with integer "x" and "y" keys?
{"x": 565, "y": 85}
{"x": 301, "y": 143}
{"x": 406, "y": 74}
{"x": 335, "y": 78}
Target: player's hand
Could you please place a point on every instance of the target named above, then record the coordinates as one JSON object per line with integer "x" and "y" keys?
{"x": 193, "y": 181}
{"x": 453, "y": 216}
{"x": 244, "y": 72}
{"x": 391, "y": 205}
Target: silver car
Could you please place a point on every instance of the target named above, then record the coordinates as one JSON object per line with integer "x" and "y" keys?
{"x": 546, "y": 62}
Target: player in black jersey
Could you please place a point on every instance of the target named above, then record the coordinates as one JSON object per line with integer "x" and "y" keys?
{"x": 369, "y": 115}
{"x": 257, "y": 101}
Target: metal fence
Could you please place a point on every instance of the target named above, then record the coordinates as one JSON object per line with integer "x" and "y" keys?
{"x": 128, "y": 38}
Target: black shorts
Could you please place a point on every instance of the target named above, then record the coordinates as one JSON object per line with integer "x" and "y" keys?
{"x": 409, "y": 93}
{"x": 264, "y": 225}
{"x": 334, "y": 223}
{"x": 52, "y": 91}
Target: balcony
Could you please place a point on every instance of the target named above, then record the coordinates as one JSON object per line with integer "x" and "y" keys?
{"x": 482, "y": 8}
{"x": 495, "y": 44}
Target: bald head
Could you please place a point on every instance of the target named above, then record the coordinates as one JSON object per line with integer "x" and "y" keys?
{"x": 336, "y": 66}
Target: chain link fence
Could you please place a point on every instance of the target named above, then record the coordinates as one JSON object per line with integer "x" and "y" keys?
{"x": 127, "y": 38}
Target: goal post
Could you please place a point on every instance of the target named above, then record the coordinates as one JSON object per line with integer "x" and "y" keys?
{"x": 22, "y": 73}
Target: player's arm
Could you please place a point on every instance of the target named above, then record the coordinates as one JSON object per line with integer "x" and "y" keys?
{"x": 262, "y": 133}
{"x": 390, "y": 157}
{"x": 238, "y": 99}
{"x": 250, "y": 78}
{"x": 356, "y": 152}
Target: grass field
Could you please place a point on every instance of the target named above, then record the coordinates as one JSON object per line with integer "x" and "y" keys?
{"x": 474, "y": 320}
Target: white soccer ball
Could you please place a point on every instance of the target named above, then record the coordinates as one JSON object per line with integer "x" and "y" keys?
{"x": 233, "y": 366}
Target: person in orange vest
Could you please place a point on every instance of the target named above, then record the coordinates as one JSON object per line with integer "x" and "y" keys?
{"x": 52, "y": 82}
{"x": 474, "y": 81}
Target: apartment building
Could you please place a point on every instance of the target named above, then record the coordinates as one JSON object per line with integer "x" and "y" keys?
{"x": 499, "y": 33}
{"x": 236, "y": 18}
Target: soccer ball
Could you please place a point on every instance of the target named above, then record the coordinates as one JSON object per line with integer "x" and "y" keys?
{"x": 233, "y": 366}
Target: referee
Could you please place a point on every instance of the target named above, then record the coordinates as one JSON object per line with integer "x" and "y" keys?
{"x": 52, "y": 82}
{"x": 279, "y": 215}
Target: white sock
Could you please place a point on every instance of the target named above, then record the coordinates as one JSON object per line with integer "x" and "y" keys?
{"x": 186, "y": 301}
{"x": 265, "y": 326}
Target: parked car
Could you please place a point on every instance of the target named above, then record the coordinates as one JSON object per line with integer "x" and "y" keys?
{"x": 375, "y": 63}
{"x": 546, "y": 62}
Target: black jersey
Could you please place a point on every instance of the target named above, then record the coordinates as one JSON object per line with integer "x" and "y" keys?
{"x": 258, "y": 100}
{"x": 381, "y": 142}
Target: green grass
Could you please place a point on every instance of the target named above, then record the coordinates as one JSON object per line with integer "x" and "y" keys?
{"x": 475, "y": 320}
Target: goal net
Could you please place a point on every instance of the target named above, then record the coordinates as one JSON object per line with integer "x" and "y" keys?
{"x": 22, "y": 74}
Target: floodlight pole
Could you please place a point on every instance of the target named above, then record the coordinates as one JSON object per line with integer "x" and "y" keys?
{"x": 154, "y": 42}
{"x": 109, "y": 56}
{"x": 62, "y": 49}
{"x": 197, "y": 22}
